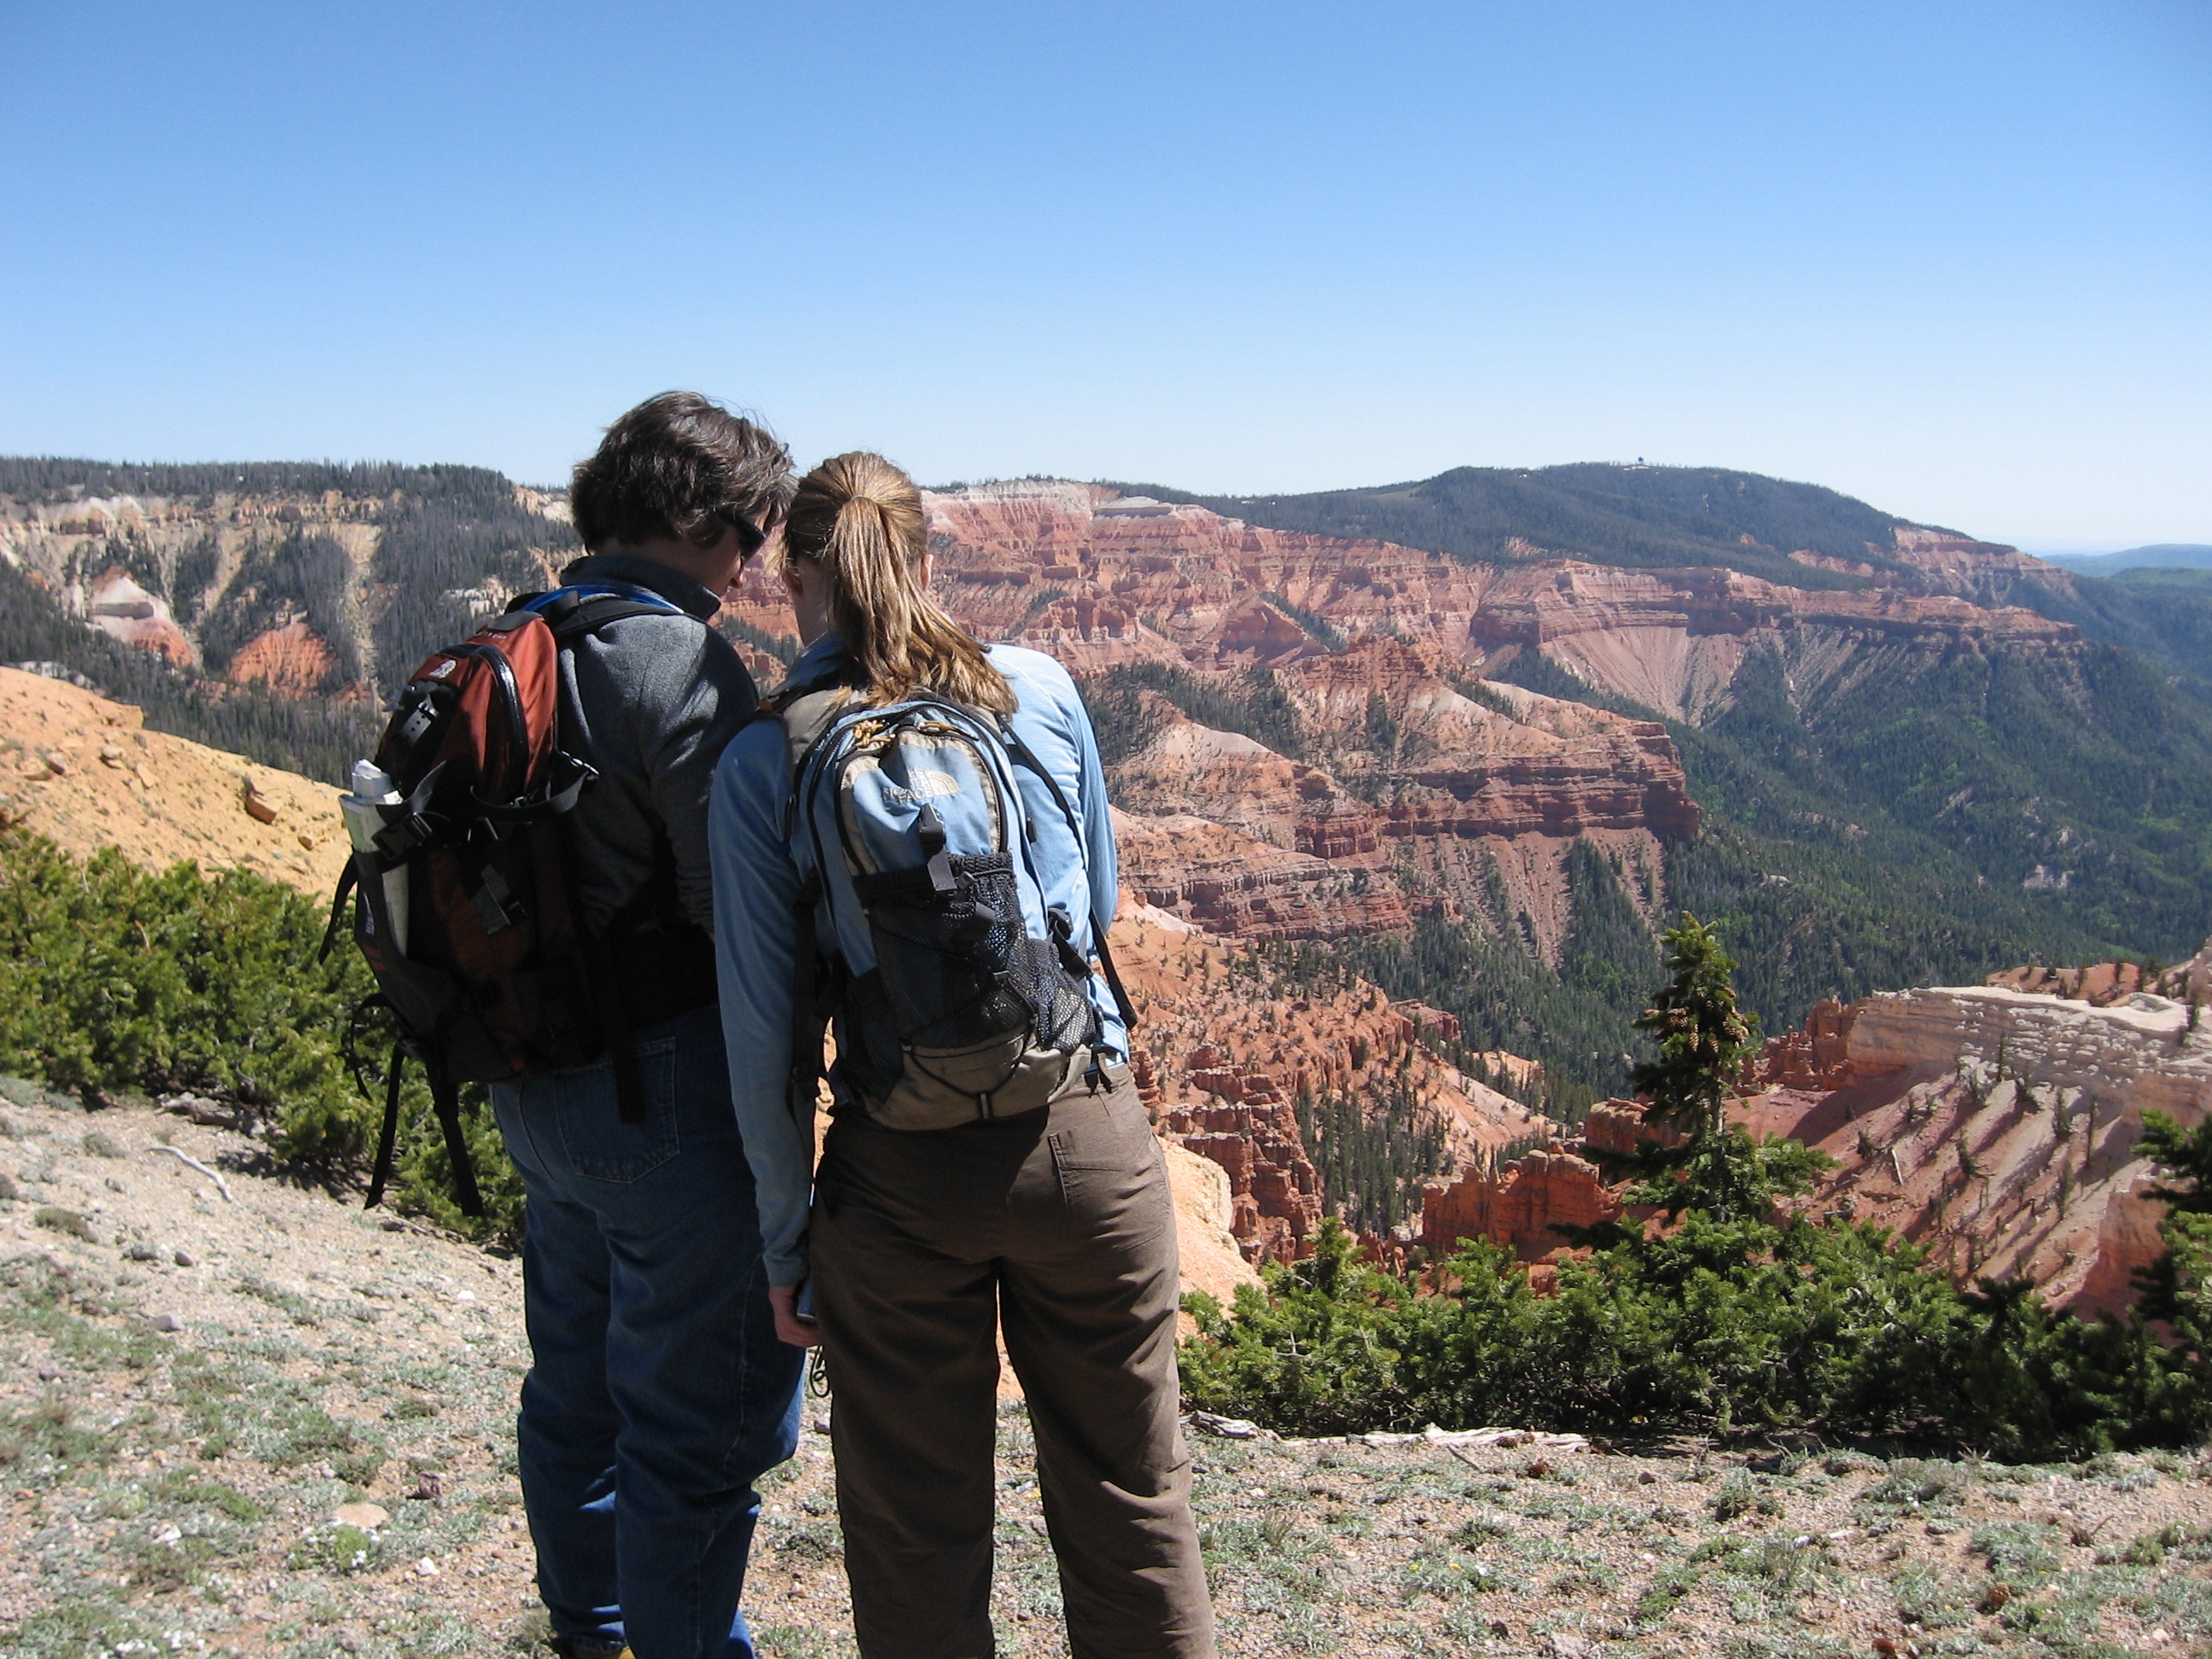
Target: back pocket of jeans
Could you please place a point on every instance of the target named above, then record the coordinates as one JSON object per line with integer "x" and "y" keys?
{"x": 598, "y": 1143}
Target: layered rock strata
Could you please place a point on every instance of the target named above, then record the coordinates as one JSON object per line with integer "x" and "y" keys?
{"x": 1101, "y": 578}
{"x": 1478, "y": 795}
{"x": 2000, "y": 1127}
{"x": 1520, "y": 1206}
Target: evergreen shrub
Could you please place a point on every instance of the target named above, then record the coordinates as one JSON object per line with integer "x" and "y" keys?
{"x": 1735, "y": 1315}
{"x": 116, "y": 978}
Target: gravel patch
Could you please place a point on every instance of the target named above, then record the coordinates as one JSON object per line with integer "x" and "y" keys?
{"x": 271, "y": 1423}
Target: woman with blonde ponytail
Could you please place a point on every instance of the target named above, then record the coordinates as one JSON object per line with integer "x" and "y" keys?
{"x": 1050, "y": 1221}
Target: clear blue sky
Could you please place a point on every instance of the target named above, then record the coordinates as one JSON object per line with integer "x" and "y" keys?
{"x": 1955, "y": 259}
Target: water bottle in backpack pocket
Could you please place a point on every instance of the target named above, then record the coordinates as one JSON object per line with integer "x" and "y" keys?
{"x": 962, "y": 997}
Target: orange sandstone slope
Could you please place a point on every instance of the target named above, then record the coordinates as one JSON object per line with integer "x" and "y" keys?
{"x": 85, "y": 773}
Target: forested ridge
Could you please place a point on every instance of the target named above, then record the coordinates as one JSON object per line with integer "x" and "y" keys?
{"x": 1657, "y": 517}
{"x": 1919, "y": 830}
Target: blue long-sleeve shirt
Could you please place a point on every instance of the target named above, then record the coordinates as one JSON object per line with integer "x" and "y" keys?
{"x": 758, "y": 876}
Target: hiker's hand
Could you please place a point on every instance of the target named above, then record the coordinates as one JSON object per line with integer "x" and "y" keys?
{"x": 790, "y": 1328}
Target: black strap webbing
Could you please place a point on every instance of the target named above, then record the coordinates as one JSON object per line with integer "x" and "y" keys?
{"x": 617, "y": 1023}
{"x": 446, "y": 1097}
{"x": 388, "y": 1136}
{"x": 570, "y": 617}
{"x": 347, "y": 881}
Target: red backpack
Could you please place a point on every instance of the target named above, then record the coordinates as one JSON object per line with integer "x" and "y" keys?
{"x": 464, "y": 908}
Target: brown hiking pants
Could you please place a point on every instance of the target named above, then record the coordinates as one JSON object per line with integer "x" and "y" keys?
{"x": 1059, "y": 1225}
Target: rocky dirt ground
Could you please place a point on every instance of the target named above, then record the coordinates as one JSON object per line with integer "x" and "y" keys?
{"x": 263, "y": 1422}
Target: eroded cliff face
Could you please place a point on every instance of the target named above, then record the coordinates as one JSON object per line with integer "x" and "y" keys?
{"x": 1524, "y": 1203}
{"x": 1999, "y": 1126}
{"x": 1520, "y": 1206}
{"x": 285, "y": 588}
{"x": 1416, "y": 791}
{"x": 1986, "y": 572}
{"x": 124, "y": 610}
{"x": 1226, "y": 1053}
{"x": 1100, "y": 578}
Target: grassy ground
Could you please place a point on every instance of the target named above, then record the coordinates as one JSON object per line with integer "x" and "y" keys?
{"x": 191, "y": 1387}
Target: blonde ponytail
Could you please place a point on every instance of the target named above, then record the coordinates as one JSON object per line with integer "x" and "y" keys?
{"x": 858, "y": 519}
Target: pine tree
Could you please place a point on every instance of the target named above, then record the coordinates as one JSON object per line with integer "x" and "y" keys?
{"x": 1704, "y": 1038}
{"x": 1704, "y": 1041}
{"x": 2177, "y": 1286}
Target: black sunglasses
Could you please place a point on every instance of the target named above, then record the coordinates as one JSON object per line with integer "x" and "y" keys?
{"x": 750, "y": 533}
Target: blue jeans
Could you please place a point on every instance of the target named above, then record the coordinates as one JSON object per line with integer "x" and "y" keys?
{"x": 658, "y": 1392}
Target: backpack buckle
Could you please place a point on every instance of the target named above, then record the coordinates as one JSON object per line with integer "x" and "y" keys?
{"x": 931, "y": 830}
{"x": 396, "y": 840}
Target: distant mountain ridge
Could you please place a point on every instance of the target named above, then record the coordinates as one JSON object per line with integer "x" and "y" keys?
{"x": 1797, "y": 535}
{"x": 1479, "y": 734}
{"x": 1650, "y": 516}
{"x": 2158, "y": 556}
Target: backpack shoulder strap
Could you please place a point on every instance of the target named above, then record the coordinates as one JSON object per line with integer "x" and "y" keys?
{"x": 808, "y": 718}
{"x": 587, "y": 607}
{"x": 808, "y": 713}
{"x": 572, "y": 613}
{"x": 1023, "y": 755}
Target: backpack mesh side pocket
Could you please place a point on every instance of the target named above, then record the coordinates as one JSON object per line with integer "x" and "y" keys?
{"x": 949, "y": 955}
{"x": 987, "y": 1019}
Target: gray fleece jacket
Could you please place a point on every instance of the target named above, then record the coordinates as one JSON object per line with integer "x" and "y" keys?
{"x": 649, "y": 702}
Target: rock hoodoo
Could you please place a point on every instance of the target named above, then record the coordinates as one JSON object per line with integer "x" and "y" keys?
{"x": 1520, "y": 1206}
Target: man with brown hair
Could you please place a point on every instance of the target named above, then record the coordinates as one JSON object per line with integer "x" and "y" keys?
{"x": 658, "y": 1392}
